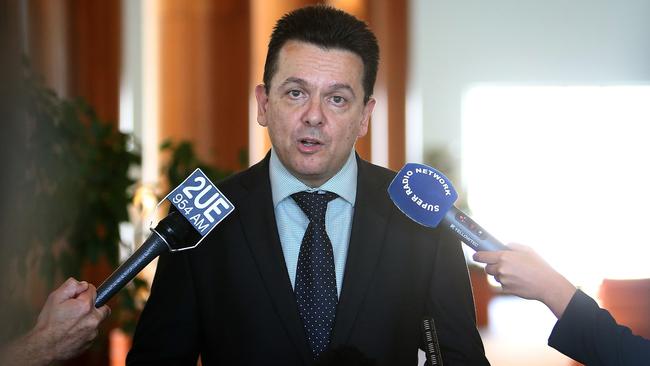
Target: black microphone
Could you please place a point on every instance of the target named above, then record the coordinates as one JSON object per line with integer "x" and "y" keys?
{"x": 192, "y": 218}
{"x": 427, "y": 197}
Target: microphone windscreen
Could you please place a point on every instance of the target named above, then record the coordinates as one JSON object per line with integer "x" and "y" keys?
{"x": 422, "y": 193}
{"x": 177, "y": 231}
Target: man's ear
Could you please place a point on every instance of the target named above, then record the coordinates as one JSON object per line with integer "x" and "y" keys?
{"x": 262, "y": 103}
{"x": 365, "y": 117}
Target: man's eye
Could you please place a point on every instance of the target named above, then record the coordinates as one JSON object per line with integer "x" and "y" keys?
{"x": 295, "y": 93}
{"x": 338, "y": 100}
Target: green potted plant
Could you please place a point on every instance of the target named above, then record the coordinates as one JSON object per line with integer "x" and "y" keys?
{"x": 75, "y": 182}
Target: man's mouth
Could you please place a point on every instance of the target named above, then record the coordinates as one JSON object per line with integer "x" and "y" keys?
{"x": 310, "y": 142}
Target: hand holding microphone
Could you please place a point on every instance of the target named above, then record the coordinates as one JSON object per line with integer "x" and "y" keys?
{"x": 427, "y": 197}
{"x": 522, "y": 272}
{"x": 66, "y": 326}
{"x": 199, "y": 207}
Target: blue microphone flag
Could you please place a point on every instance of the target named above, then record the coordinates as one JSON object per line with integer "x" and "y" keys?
{"x": 422, "y": 193}
{"x": 427, "y": 197}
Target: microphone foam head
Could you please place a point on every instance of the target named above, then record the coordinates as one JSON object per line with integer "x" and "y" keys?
{"x": 178, "y": 232}
{"x": 422, "y": 193}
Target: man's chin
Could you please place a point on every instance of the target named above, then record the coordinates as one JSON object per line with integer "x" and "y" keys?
{"x": 312, "y": 176}
{"x": 309, "y": 167}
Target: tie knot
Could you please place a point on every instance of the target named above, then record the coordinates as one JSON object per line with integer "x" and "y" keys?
{"x": 314, "y": 204}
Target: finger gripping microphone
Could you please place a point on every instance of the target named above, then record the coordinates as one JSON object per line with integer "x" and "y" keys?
{"x": 427, "y": 197}
{"x": 198, "y": 206}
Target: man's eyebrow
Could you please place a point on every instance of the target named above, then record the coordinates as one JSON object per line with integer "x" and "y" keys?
{"x": 291, "y": 79}
{"x": 303, "y": 83}
{"x": 338, "y": 86}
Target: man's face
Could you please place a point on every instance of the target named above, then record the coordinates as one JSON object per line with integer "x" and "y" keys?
{"x": 314, "y": 109}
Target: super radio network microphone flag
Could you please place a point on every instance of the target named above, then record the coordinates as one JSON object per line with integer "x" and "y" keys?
{"x": 427, "y": 197}
{"x": 199, "y": 207}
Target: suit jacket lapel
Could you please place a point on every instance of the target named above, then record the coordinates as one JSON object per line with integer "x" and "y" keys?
{"x": 258, "y": 221}
{"x": 366, "y": 243}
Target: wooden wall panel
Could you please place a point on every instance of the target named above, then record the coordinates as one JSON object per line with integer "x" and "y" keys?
{"x": 230, "y": 53}
{"x": 46, "y": 43}
{"x": 75, "y": 45}
{"x": 204, "y": 77}
{"x": 94, "y": 36}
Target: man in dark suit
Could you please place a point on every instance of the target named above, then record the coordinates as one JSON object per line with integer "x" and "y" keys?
{"x": 315, "y": 258}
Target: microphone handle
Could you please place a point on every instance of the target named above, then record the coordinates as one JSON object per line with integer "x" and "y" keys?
{"x": 469, "y": 232}
{"x": 150, "y": 249}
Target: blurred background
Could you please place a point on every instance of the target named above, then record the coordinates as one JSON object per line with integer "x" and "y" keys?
{"x": 538, "y": 111}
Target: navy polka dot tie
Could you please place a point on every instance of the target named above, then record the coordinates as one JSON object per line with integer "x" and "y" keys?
{"x": 315, "y": 286}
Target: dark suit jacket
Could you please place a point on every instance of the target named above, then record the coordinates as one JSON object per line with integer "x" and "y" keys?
{"x": 230, "y": 300}
{"x": 590, "y": 335}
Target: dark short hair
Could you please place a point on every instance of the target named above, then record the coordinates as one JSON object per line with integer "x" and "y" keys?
{"x": 326, "y": 27}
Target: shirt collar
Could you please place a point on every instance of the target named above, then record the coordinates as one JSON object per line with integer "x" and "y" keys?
{"x": 284, "y": 184}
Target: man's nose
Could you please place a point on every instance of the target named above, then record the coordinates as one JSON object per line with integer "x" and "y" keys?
{"x": 314, "y": 113}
